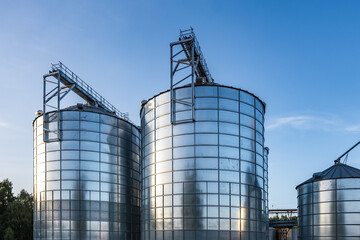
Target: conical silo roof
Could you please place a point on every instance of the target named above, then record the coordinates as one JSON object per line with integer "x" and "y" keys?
{"x": 338, "y": 170}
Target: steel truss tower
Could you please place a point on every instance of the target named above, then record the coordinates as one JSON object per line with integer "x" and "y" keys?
{"x": 186, "y": 62}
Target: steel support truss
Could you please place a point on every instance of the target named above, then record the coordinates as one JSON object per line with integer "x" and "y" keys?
{"x": 187, "y": 64}
{"x": 177, "y": 65}
{"x": 54, "y": 91}
{"x": 284, "y": 233}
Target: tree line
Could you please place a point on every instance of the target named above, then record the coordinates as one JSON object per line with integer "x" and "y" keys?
{"x": 282, "y": 218}
{"x": 16, "y": 213}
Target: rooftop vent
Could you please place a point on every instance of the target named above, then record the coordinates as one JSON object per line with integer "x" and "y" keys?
{"x": 39, "y": 112}
{"x": 80, "y": 106}
{"x": 143, "y": 102}
{"x": 317, "y": 175}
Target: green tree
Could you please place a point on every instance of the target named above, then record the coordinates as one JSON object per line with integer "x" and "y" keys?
{"x": 6, "y": 194}
{"x": 282, "y": 218}
{"x": 9, "y": 234}
{"x": 16, "y": 213}
{"x": 6, "y": 197}
{"x": 21, "y": 215}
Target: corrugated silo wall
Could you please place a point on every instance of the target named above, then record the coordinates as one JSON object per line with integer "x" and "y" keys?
{"x": 205, "y": 179}
{"x": 87, "y": 185}
{"x": 329, "y": 209}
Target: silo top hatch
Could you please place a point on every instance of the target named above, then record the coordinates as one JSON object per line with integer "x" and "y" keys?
{"x": 338, "y": 170}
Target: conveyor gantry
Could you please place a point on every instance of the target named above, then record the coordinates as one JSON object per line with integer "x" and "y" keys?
{"x": 66, "y": 81}
{"x": 202, "y": 70}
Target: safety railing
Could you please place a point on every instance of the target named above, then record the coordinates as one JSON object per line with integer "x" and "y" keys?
{"x": 87, "y": 90}
{"x": 189, "y": 33}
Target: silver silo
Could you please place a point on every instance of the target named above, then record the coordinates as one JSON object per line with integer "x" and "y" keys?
{"x": 266, "y": 188}
{"x": 329, "y": 204}
{"x": 206, "y": 178}
{"x": 86, "y": 186}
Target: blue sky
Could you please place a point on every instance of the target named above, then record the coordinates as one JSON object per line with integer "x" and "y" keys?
{"x": 301, "y": 57}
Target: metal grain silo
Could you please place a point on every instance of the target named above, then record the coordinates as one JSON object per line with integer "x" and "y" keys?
{"x": 329, "y": 204}
{"x": 86, "y": 186}
{"x": 86, "y": 165}
{"x": 203, "y": 178}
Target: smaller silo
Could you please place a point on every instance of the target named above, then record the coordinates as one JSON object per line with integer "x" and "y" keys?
{"x": 86, "y": 185}
{"x": 329, "y": 204}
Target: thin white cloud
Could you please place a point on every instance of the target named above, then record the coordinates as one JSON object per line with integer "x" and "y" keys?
{"x": 353, "y": 128}
{"x": 4, "y": 124}
{"x": 304, "y": 122}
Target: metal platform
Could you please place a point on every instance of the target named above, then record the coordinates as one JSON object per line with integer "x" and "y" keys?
{"x": 283, "y": 224}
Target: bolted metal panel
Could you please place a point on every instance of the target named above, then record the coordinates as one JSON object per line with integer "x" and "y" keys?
{"x": 205, "y": 179}
{"x": 329, "y": 208}
{"x": 86, "y": 186}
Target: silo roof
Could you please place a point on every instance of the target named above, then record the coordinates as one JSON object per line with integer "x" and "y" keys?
{"x": 207, "y": 84}
{"x": 90, "y": 108}
{"x": 338, "y": 170}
